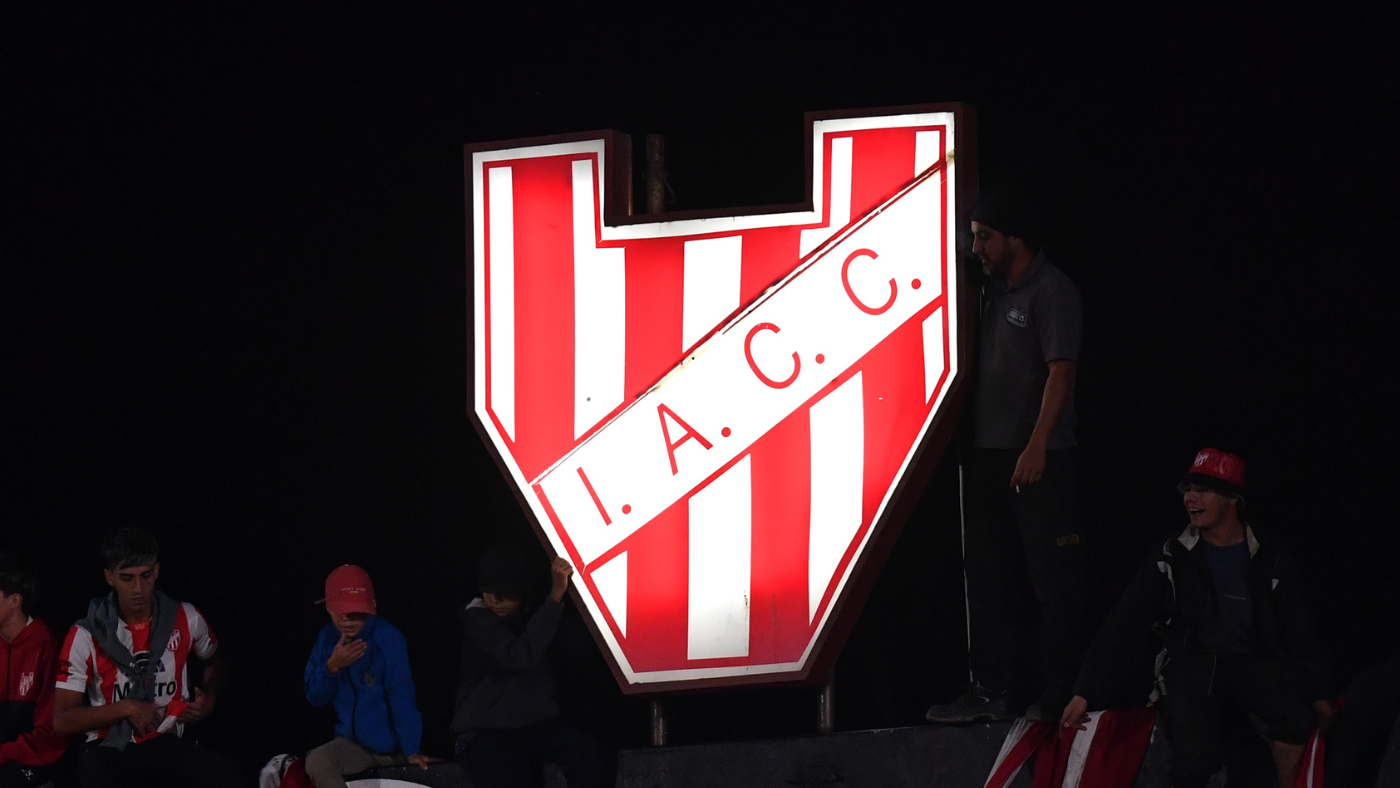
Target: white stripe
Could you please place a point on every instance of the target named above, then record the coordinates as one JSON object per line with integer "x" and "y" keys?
{"x": 502, "y": 269}
{"x": 925, "y": 150}
{"x": 933, "y": 352}
{"x": 711, "y": 291}
{"x": 1018, "y": 731}
{"x": 600, "y": 312}
{"x": 1079, "y": 751}
{"x": 611, "y": 581}
{"x": 840, "y": 198}
{"x": 721, "y": 556}
{"x": 838, "y": 484}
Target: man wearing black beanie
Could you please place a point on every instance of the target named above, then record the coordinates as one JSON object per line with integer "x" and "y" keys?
{"x": 1022, "y": 508}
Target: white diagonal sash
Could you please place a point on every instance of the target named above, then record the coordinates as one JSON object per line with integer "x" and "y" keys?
{"x": 759, "y": 369}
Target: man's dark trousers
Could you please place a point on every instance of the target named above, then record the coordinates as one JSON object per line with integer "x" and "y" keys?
{"x": 1197, "y": 721}
{"x": 1012, "y": 536}
{"x": 514, "y": 758}
{"x": 166, "y": 760}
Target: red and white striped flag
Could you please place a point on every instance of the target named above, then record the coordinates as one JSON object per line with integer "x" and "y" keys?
{"x": 1107, "y": 754}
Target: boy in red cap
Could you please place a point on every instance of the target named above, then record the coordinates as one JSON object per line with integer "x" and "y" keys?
{"x": 1228, "y": 608}
{"x": 360, "y": 662}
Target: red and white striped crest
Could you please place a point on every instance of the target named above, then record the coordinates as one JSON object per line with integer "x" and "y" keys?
{"x": 710, "y": 416}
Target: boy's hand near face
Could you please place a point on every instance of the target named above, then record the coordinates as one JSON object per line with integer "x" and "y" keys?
{"x": 347, "y": 652}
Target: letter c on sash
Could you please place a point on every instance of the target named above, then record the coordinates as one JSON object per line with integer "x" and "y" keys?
{"x": 846, "y": 281}
{"x": 748, "y": 354}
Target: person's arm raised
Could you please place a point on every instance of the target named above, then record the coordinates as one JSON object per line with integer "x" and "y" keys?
{"x": 559, "y": 572}
{"x": 513, "y": 652}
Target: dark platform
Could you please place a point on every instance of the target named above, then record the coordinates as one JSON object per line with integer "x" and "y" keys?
{"x": 922, "y": 756}
{"x": 928, "y": 755}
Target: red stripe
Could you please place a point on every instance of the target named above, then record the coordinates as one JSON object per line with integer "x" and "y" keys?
{"x": 544, "y": 311}
{"x": 1052, "y": 756}
{"x": 894, "y": 389}
{"x": 657, "y": 561}
{"x": 1119, "y": 746}
{"x": 882, "y": 163}
{"x": 782, "y": 481}
{"x": 655, "y": 294}
{"x": 768, "y": 256}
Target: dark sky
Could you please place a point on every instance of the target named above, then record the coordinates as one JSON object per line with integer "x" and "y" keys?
{"x": 233, "y": 294}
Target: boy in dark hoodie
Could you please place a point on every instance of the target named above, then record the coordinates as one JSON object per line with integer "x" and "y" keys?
{"x": 506, "y": 722}
{"x": 360, "y": 662}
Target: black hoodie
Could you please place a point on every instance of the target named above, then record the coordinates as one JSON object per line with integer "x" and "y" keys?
{"x": 505, "y": 680}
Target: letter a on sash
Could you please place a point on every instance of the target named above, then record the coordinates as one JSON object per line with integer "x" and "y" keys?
{"x": 690, "y": 432}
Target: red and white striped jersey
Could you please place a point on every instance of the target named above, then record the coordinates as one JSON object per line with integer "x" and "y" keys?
{"x": 83, "y": 667}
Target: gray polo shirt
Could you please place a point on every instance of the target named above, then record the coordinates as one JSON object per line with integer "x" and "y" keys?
{"x": 1024, "y": 328}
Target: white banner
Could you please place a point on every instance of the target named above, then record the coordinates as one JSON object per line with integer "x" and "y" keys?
{"x": 755, "y": 372}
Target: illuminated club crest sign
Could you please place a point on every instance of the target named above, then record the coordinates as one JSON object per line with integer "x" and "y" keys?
{"x": 721, "y": 420}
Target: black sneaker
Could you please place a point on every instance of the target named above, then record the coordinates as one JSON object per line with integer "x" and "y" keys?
{"x": 979, "y": 704}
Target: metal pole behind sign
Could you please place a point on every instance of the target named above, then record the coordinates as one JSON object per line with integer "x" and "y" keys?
{"x": 962, "y": 530}
{"x": 826, "y": 706}
{"x": 656, "y": 203}
{"x": 656, "y": 173}
{"x": 658, "y": 724}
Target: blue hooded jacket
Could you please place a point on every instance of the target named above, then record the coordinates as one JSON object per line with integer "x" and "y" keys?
{"x": 374, "y": 698}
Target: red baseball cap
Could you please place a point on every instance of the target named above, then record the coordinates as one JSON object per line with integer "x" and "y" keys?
{"x": 349, "y": 590}
{"x": 1219, "y": 470}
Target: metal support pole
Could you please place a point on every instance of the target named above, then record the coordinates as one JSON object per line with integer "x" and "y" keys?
{"x": 826, "y": 707}
{"x": 658, "y": 724}
{"x": 656, "y": 203}
{"x": 656, "y": 173}
{"x": 962, "y": 532}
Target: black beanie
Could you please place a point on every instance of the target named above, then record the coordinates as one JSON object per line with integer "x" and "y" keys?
{"x": 1007, "y": 215}
{"x": 507, "y": 570}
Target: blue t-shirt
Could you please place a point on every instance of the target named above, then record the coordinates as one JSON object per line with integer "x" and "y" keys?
{"x": 1229, "y": 569}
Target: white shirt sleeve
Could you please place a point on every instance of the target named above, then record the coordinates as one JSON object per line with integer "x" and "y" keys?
{"x": 74, "y": 660}
{"x": 203, "y": 643}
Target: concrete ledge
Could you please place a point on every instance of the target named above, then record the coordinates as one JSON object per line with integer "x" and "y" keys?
{"x": 921, "y": 756}
{"x": 439, "y": 775}
{"x": 928, "y": 755}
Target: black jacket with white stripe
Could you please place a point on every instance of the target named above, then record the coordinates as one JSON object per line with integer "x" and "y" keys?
{"x": 1172, "y": 598}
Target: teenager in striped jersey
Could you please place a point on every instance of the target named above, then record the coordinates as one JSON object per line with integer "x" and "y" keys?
{"x": 127, "y": 660}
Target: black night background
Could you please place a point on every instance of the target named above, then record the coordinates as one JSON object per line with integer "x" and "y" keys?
{"x": 233, "y": 297}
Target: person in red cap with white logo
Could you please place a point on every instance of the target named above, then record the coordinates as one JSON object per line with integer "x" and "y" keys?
{"x": 360, "y": 663}
{"x": 1227, "y": 608}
